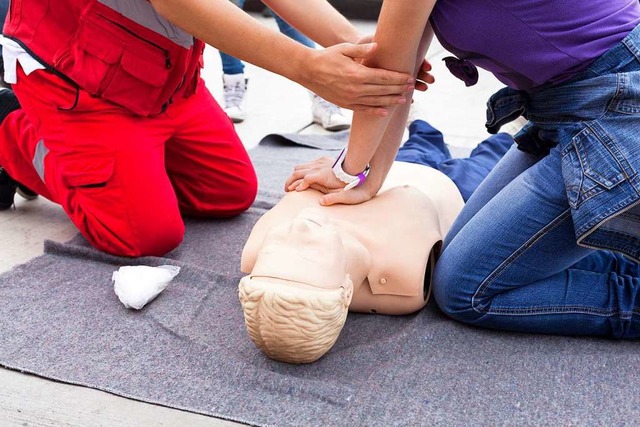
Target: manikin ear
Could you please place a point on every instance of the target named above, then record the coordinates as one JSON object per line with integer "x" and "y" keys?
{"x": 248, "y": 259}
{"x": 348, "y": 290}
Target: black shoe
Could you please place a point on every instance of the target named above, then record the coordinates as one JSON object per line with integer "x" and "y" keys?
{"x": 8, "y": 103}
{"x": 26, "y": 192}
{"x": 7, "y": 190}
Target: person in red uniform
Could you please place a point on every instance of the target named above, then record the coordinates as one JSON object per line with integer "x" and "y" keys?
{"x": 117, "y": 126}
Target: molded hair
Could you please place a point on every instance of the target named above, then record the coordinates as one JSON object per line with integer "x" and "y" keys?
{"x": 293, "y": 324}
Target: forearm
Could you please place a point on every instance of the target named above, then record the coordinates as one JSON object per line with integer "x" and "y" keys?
{"x": 386, "y": 152}
{"x": 221, "y": 24}
{"x": 400, "y": 20}
{"x": 317, "y": 19}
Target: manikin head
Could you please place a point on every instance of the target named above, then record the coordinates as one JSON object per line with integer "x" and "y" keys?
{"x": 297, "y": 297}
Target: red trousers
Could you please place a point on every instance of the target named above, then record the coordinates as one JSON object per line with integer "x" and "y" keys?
{"x": 124, "y": 180}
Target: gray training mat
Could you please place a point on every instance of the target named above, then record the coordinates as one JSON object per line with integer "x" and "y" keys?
{"x": 188, "y": 349}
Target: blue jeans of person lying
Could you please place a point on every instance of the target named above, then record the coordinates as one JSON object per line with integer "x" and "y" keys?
{"x": 426, "y": 146}
{"x": 232, "y": 65}
{"x": 512, "y": 260}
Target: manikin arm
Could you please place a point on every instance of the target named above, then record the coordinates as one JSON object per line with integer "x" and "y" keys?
{"x": 331, "y": 73}
{"x": 375, "y": 140}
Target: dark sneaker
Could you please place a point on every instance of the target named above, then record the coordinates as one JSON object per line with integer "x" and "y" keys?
{"x": 8, "y": 102}
{"x": 7, "y": 190}
{"x": 26, "y": 192}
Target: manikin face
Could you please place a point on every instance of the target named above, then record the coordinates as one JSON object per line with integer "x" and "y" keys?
{"x": 308, "y": 251}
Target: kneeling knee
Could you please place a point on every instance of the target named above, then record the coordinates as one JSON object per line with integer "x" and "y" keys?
{"x": 453, "y": 290}
{"x": 242, "y": 200}
{"x": 159, "y": 242}
{"x": 154, "y": 235}
{"x": 220, "y": 197}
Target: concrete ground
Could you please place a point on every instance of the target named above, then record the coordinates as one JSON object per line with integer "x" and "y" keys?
{"x": 274, "y": 104}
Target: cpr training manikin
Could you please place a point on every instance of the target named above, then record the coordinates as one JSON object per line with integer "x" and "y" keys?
{"x": 308, "y": 264}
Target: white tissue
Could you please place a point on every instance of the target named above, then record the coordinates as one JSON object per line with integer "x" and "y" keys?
{"x": 135, "y": 286}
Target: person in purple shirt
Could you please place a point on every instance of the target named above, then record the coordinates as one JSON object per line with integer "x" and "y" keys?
{"x": 550, "y": 241}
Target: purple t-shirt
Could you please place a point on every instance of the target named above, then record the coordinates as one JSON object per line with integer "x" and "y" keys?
{"x": 531, "y": 43}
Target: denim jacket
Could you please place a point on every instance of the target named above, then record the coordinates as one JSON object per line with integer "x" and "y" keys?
{"x": 594, "y": 119}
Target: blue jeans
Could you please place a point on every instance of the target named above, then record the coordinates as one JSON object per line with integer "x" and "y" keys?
{"x": 511, "y": 260}
{"x": 426, "y": 146}
{"x": 232, "y": 65}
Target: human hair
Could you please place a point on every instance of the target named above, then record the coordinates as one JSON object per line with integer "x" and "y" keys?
{"x": 292, "y": 323}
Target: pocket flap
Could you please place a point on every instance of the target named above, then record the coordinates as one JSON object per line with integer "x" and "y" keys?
{"x": 95, "y": 43}
{"x": 88, "y": 171}
{"x": 601, "y": 158}
{"x": 150, "y": 72}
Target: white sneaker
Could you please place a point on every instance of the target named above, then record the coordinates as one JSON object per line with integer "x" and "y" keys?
{"x": 235, "y": 87}
{"x": 328, "y": 115}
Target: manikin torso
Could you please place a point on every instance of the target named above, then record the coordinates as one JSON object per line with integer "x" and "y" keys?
{"x": 387, "y": 245}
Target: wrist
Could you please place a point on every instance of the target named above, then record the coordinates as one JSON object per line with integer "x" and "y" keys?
{"x": 344, "y": 32}
{"x": 350, "y": 168}
{"x": 350, "y": 180}
{"x": 299, "y": 66}
{"x": 353, "y": 36}
{"x": 371, "y": 186}
{"x": 360, "y": 38}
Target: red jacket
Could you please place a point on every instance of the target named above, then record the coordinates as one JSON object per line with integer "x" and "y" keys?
{"x": 119, "y": 50}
